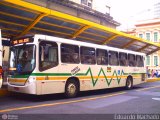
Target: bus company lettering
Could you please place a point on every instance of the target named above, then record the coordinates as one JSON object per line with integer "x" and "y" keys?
{"x": 75, "y": 70}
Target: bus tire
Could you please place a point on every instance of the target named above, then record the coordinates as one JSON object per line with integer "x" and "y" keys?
{"x": 71, "y": 88}
{"x": 129, "y": 83}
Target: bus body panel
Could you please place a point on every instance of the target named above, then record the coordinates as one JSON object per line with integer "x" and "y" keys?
{"x": 0, "y": 59}
{"x": 91, "y": 77}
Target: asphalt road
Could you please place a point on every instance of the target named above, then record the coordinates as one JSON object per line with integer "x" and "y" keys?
{"x": 102, "y": 104}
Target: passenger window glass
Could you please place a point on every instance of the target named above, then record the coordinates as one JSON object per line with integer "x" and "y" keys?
{"x": 113, "y": 58}
{"x": 69, "y": 53}
{"x": 87, "y": 55}
{"x": 123, "y": 61}
{"x": 132, "y": 60}
{"x": 48, "y": 55}
{"x": 102, "y": 57}
{"x": 140, "y": 62}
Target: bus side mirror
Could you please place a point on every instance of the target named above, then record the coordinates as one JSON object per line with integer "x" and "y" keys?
{"x": 3, "y": 53}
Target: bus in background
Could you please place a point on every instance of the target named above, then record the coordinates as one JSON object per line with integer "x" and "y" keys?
{"x": 46, "y": 65}
{"x": 0, "y": 59}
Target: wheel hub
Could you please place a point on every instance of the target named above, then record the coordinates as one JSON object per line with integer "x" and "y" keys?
{"x": 71, "y": 89}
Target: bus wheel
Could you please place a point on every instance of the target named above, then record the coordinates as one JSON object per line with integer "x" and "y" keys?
{"x": 129, "y": 83}
{"x": 71, "y": 89}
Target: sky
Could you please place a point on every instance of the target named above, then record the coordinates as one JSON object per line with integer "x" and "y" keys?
{"x": 126, "y": 12}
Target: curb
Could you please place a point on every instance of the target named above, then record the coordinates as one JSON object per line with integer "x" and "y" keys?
{"x": 153, "y": 80}
{"x": 3, "y": 92}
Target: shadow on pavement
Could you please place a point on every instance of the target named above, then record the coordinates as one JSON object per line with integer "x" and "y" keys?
{"x": 41, "y": 98}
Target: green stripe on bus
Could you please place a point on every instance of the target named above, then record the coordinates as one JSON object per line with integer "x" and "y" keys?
{"x": 89, "y": 71}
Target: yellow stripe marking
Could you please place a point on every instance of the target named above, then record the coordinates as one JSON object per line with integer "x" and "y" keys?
{"x": 143, "y": 89}
{"x": 65, "y": 78}
{"x": 153, "y": 79}
{"x": 61, "y": 103}
{"x": 81, "y": 77}
{"x": 17, "y": 80}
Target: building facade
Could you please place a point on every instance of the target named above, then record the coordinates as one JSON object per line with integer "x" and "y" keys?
{"x": 149, "y": 30}
{"x": 156, "y": 8}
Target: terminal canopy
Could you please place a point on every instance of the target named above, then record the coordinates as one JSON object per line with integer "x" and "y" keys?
{"x": 18, "y": 18}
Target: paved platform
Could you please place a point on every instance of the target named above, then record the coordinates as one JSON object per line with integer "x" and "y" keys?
{"x": 142, "y": 99}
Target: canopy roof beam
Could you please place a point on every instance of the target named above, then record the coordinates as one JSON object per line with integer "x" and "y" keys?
{"x": 109, "y": 39}
{"x": 80, "y": 31}
{"x": 153, "y": 51}
{"x": 32, "y": 24}
{"x": 139, "y": 50}
{"x": 128, "y": 44}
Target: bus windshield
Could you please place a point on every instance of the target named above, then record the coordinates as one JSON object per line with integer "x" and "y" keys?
{"x": 22, "y": 59}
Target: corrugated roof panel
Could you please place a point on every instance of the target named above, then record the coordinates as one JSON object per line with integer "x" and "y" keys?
{"x": 53, "y": 28}
{"x": 60, "y": 22}
{"x": 133, "y": 47}
{"x": 11, "y": 26}
{"x": 86, "y": 40}
{"x": 121, "y": 40}
{"x": 14, "y": 11}
{"x": 48, "y": 33}
{"x": 139, "y": 43}
{"x": 14, "y": 20}
{"x": 92, "y": 37}
{"x": 99, "y": 32}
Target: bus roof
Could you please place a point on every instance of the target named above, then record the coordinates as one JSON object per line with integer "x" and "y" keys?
{"x": 86, "y": 44}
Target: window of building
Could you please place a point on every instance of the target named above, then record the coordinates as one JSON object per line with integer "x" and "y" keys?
{"x": 90, "y": 5}
{"x": 141, "y": 35}
{"x": 87, "y": 55}
{"x": 48, "y": 55}
{"x": 140, "y": 61}
{"x": 155, "y": 36}
{"x": 155, "y": 60}
{"x": 131, "y": 60}
{"x": 69, "y": 53}
{"x": 148, "y": 60}
{"x": 123, "y": 61}
{"x": 102, "y": 57}
{"x": 148, "y": 36}
{"x": 84, "y": 2}
{"x": 113, "y": 58}
{"x": 87, "y": 3}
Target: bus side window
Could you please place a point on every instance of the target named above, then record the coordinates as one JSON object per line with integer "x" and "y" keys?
{"x": 48, "y": 55}
{"x": 132, "y": 60}
{"x": 123, "y": 59}
{"x": 140, "y": 61}
{"x": 102, "y": 57}
{"x": 69, "y": 53}
{"x": 87, "y": 55}
{"x": 113, "y": 58}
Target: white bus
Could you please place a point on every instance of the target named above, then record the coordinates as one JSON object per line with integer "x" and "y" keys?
{"x": 45, "y": 65}
{"x": 0, "y": 59}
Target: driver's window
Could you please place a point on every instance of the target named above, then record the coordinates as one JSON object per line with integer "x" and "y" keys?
{"x": 48, "y": 55}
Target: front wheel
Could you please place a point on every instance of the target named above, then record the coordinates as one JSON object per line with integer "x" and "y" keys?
{"x": 129, "y": 83}
{"x": 71, "y": 89}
